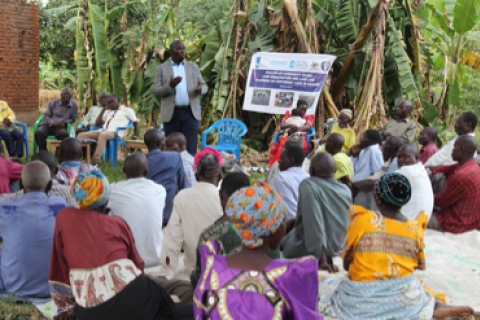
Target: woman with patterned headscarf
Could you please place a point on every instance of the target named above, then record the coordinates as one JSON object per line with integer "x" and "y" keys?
{"x": 249, "y": 284}
{"x": 382, "y": 251}
{"x": 95, "y": 269}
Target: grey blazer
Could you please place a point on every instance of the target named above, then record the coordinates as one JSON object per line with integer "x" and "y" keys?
{"x": 162, "y": 89}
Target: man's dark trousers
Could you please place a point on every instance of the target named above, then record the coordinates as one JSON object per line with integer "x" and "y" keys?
{"x": 183, "y": 121}
{"x": 44, "y": 131}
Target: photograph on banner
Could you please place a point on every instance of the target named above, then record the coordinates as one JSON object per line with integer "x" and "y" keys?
{"x": 284, "y": 99}
{"x": 261, "y": 97}
{"x": 276, "y": 81}
{"x": 309, "y": 98}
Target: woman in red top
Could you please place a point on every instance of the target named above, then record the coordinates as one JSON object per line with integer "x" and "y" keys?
{"x": 96, "y": 272}
{"x": 297, "y": 122}
{"x": 9, "y": 170}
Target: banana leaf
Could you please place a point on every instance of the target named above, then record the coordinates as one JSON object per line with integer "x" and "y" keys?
{"x": 347, "y": 21}
{"x": 137, "y": 87}
{"x": 61, "y": 9}
{"x": 115, "y": 72}
{"x": 71, "y": 23}
{"x": 117, "y": 11}
{"x": 473, "y": 36}
{"x": 100, "y": 43}
{"x": 430, "y": 113}
{"x": 453, "y": 94}
{"x": 263, "y": 40}
{"x": 449, "y": 8}
{"x": 405, "y": 76}
{"x": 167, "y": 17}
{"x": 207, "y": 61}
{"x": 465, "y": 15}
{"x": 148, "y": 101}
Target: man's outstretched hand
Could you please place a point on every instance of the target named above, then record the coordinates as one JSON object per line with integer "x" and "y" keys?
{"x": 174, "y": 81}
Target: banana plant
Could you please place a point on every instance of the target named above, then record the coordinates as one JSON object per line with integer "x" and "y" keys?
{"x": 447, "y": 34}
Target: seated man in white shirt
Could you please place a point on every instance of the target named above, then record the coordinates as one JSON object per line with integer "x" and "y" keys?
{"x": 194, "y": 209}
{"x": 113, "y": 118}
{"x": 422, "y": 193}
{"x": 288, "y": 179}
{"x": 140, "y": 203}
{"x": 465, "y": 124}
{"x": 365, "y": 187}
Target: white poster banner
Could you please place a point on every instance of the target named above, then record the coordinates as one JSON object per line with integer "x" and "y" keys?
{"x": 276, "y": 81}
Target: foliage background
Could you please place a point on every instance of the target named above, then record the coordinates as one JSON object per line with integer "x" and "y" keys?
{"x": 420, "y": 57}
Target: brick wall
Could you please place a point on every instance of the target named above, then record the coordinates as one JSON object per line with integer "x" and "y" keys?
{"x": 19, "y": 54}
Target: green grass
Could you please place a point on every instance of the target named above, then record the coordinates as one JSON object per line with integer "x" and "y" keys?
{"x": 116, "y": 174}
{"x": 11, "y": 310}
{"x": 112, "y": 174}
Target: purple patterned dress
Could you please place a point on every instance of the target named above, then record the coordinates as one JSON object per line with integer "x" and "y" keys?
{"x": 286, "y": 289}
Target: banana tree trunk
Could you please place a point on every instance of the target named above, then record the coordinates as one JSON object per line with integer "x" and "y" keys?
{"x": 347, "y": 68}
{"x": 371, "y": 100}
{"x": 290, "y": 7}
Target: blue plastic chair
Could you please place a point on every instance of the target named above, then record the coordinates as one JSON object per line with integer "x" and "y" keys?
{"x": 310, "y": 135}
{"x": 110, "y": 153}
{"x": 25, "y": 136}
{"x": 230, "y": 133}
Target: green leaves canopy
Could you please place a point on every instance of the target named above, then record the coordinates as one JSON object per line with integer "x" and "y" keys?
{"x": 465, "y": 15}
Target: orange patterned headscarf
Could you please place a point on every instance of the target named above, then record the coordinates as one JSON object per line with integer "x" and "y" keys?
{"x": 90, "y": 189}
{"x": 256, "y": 212}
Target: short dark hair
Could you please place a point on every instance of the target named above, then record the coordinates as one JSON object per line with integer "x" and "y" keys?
{"x": 233, "y": 182}
{"x": 174, "y": 43}
{"x": 470, "y": 117}
{"x": 397, "y": 142}
{"x": 432, "y": 133}
{"x": 373, "y": 135}
{"x": 47, "y": 158}
{"x": 296, "y": 153}
{"x": 301, "y": 102}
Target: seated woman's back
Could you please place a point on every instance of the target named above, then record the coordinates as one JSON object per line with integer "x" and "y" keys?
{"x": 248, "y": 284}
{"x": 381, "y": 248}
{"x": 286, "y": 289}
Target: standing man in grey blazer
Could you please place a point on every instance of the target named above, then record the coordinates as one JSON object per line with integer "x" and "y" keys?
{"x": 178, "y": 83}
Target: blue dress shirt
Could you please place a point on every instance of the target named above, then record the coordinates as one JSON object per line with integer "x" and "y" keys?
{"x": 368, "y": 162}
{"x": 26, "y": 226}
{"x": 181, "y": 92}
{"x": 166, "y": 168}
{"x": 286, "y": 183}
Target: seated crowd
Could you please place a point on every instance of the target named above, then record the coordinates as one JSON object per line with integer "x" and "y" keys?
{"x": 368, "y": 203}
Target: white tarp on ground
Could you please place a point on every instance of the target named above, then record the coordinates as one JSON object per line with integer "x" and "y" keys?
{"x": 453, "y": 268}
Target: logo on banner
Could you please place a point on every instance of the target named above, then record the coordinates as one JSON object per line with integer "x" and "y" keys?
{"x": 257, "y": 62}
{"x": 279, "y": 63}
{"x": 304, "y": 65}
{"x": 314, "y": 66}
{"x": 326, "y": 66}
